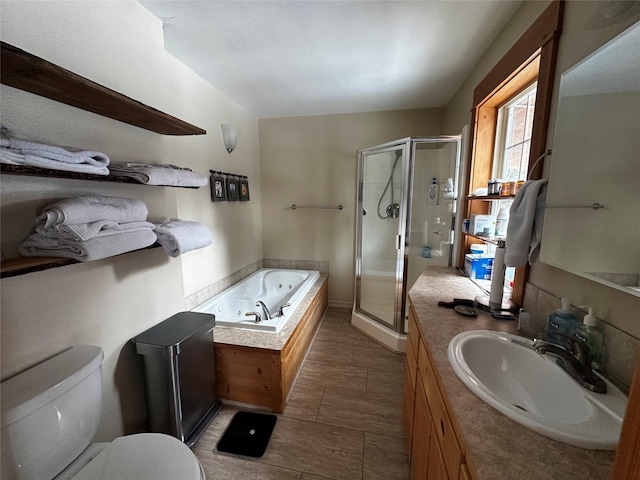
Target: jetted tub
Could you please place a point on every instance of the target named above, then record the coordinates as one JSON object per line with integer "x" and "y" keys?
{"x": 271, "y": 286}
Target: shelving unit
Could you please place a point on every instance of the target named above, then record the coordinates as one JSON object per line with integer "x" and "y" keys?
{"x": 22, "y": 265}
{"x": 25, "y": 71}
{"x": 33, "y": 74}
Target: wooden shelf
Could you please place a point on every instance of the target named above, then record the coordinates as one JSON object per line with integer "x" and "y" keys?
{"x": 490, "y": 198}
{"x": 486, "y": 239}
{"x": 46, "y": 172}
{"x": 13, "y": 267}
{"x": 20, "y": 69}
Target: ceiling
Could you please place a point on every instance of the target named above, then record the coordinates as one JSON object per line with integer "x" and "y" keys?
{"x": 309, "y": 57}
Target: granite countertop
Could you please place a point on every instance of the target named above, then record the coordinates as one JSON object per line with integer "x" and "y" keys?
{"x": 269, "y": 340}
{"x": 499, "y": 447}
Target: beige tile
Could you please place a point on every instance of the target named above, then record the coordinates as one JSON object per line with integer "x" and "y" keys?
{"x": 304, "y": 402}
{"x": 343, "y": 334}
{"x": 330, "y": 375}
{"x": 373, "y": 356}
{"x": 362, "y": 412}
{"x": 325, "y": 450}
{"x": 212, "y": 434}
{"x": 385, "y": 458}
{"x": 227, "y": 467}
{"x": 385, "y": 383}
{"x": 309, "y": 476}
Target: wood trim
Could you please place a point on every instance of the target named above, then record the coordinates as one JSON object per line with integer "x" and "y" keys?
{"x": 533, "y": 55}
{"x": 33, "y": 74}
{"x": 627, "y": 462}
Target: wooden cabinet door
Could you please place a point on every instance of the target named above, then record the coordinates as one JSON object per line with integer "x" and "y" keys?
{"x": 408, "y": 411}
{"x": 421, "y": 435}
{"x": 437, "y": 468}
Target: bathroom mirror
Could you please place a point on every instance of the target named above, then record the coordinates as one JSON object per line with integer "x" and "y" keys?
{"x": 596, "y": 160}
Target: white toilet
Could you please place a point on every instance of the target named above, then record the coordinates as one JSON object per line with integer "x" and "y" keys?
{"x": 50, "y": 414}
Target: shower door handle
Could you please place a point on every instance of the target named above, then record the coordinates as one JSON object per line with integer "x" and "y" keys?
{"x": 398, "y": 241}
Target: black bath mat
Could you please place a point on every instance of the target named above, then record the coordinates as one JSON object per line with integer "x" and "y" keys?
{"x": 247, "y": 434}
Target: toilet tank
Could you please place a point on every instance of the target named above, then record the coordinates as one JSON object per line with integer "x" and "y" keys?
{"x": 50, "y": 413}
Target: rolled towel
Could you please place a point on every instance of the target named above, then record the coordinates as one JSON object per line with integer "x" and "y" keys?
{"x": 86, "y": 231}
{"x": 167, "y": 175}
{"x": 17, "y": 157}
{"x": 526, "y": 217}
{"x": 180, "y": 236}
{"x": 100, "y": 247}
{"x": 92, "y": 208}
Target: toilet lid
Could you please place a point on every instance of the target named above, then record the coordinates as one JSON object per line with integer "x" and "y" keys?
{"x": 145, "y": 456}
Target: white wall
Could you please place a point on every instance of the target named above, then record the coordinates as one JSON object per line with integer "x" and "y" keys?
{"x": 576, "y": 42}
{"x": 107, "y": 302}
{"x": 313, "y": 161}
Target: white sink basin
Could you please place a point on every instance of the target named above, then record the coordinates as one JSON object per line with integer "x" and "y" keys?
{"x": 507, "y": 373}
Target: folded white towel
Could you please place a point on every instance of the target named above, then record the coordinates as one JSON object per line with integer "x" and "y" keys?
{"x": 17, "y": 157}
{"x": 85, "y": 231}
{"x": 60, "y": 154}
{"x": 526, "y": 218}
{"x": 94, "y": 249}
{"x": 92, "y": 208}
{"x": 167, "y": 175}
{"x": 180, "y": 236}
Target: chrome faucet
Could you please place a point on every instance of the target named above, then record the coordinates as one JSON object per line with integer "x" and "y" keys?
{"x": 576, "y": 362}
{"x": 265, "y": 310}
{"x": 258, "y": 318}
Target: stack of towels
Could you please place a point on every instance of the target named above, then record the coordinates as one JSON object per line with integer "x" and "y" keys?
{"x": 90, "y": 228}
{"x": 180, "y": 236}
{"x": 18, "y": 151}
{"x": 167, "y": 175}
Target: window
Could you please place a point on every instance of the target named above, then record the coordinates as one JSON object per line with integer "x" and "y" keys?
{"x": 513, "y": 139}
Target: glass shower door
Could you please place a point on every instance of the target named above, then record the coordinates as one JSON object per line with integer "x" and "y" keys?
{"x": 378, "y": 265}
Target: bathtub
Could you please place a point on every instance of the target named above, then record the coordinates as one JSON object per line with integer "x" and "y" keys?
{"x": 271, "y": 286}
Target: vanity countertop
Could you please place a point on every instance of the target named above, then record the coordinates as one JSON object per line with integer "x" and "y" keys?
{"x": 499, "y": 447}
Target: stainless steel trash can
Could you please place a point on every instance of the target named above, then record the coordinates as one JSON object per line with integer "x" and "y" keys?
{"x": 179, "y": 367}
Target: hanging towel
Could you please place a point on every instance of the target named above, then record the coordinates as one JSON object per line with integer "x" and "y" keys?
{"x": 92, "y": 208}
{"x": 180, "y": 236}
{"x": 526, "y": 217}
{"x": 85, "y": 231}
{"x": 167, "y": 175}
{"x": 100, "y": 247}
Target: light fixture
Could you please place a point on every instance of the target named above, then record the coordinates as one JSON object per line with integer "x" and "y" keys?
{"x": 230, "y": 136}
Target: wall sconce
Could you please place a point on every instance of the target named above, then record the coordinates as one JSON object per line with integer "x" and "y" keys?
{"x": 230, "y": 136}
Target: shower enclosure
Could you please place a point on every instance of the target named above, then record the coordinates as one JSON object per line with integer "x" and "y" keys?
{"x": 406, "y": 214}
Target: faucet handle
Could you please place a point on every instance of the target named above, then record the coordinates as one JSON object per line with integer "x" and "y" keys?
{"x": 281, "y": 309}
{"x": 579, "y": 349}
{"x": 258, "y": 317}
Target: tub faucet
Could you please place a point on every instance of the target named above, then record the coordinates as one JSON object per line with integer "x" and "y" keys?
{"x": 576, "y": 362}
{"x": 265, "y": 310}
{"x": 281, "y": 309}
{"x": 257, "y": 319}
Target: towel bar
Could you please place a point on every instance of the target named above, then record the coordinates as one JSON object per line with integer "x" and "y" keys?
{"x": 339, "y": 207}
{"x": 595, "y": 206}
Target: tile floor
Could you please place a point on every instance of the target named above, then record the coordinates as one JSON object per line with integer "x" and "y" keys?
{"x": 343, "y": 420}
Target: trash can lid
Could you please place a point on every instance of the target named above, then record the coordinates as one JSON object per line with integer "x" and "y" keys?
{"x": 169, "y": 333}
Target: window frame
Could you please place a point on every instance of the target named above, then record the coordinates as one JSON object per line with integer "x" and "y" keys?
{"x": 532, "y": 56}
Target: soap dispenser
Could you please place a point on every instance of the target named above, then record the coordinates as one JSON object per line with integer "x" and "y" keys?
{"x": 589, "y": 333}
{"x": 562, "y": 322}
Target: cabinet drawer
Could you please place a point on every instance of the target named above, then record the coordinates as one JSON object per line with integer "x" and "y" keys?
{"x": 442, "y": 423}
{"x": 437, "y": 469}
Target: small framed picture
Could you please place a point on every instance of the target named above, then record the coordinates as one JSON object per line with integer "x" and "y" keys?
{"x": 218, "y": 188}
{"x": 233, "y": 187}
{"x": 244, "y": 189}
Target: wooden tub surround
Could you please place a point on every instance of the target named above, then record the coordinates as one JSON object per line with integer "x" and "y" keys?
{"x": 259, "y": 368}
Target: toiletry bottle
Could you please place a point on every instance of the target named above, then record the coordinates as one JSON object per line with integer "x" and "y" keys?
{"x": 502, "y": 220}
{"x": 561, "y": 322}
{"x": 432, "y": 198}
{"x": 588, "y": 332}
